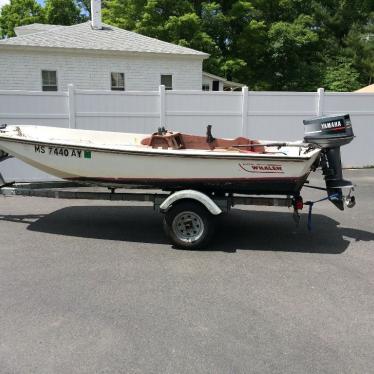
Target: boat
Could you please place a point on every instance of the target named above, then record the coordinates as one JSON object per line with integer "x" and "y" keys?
{"x": 204, "y": 176}
{"x": 173, "y": 160}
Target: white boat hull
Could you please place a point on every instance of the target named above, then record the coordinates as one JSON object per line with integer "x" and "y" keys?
{"x": 114, "y": 165}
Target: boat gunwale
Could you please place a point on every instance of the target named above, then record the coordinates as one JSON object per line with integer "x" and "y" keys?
{"x": 138, "y": 152}
{"x": 192, "y": 180}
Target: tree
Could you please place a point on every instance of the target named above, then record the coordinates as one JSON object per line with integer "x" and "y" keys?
{"x": 168, "y": 20}
{"x": 123, "y": 13}
{"x": 292, "y": 49}
{"x": 266, "y": 44}
{"x": 341, "y": 76}
{"x": 360, "y": 49}
{"x": 224, "y": 22}
{"x": 18, "y": 13}
{"x": 156, "y": 14}
{"x": 187, "y": 30}
{"x": 335, "y": 18}
{"x": 62, "y": 12}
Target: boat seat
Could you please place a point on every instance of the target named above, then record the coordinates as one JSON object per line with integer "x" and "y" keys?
{"x": 165, "y": 140}
{"x": 199, "y": 142}
{"x": 185, "y": 141}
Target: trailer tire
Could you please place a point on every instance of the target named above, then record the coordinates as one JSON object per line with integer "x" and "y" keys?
{"x": 189, "y": 225}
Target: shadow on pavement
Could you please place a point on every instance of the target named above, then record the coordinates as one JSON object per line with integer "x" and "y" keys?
{"x": 239, "y": 230}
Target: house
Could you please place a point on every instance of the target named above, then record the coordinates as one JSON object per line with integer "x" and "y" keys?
{"x": 367, "y": 89}
{"x": 213, "y": 82}
{"x": 93, "y": 55}
{"x": 96, "y": 56}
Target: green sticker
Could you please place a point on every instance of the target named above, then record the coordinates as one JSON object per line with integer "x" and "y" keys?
{"x": 87, "y": 154}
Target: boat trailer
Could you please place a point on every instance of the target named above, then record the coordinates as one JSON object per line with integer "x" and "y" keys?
{"x": 188, "y": 215}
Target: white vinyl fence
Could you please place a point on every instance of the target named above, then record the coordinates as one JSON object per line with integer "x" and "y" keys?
{"x": 261, "y": 115}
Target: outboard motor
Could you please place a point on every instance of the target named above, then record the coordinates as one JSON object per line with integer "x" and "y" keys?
{"x": 330, "y": 133}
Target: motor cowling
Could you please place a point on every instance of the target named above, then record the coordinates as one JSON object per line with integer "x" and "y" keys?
{"x": 330, "y": 133}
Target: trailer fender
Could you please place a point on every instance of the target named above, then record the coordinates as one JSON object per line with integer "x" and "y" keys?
{"x": 205, "y": 200}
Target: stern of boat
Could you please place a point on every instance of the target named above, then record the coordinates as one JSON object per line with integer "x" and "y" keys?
{"x": 330, "y": 133}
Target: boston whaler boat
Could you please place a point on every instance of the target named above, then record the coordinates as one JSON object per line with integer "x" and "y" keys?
{"x": 201, "y": 170}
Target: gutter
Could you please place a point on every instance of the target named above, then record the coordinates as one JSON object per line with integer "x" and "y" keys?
{"x": 104, "y": 52}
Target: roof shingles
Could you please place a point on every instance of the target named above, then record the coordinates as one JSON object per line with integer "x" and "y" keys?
{"x": 110, "y": 38}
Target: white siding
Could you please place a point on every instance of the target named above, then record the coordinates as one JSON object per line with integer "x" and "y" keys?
{"x": 21, "y": 70}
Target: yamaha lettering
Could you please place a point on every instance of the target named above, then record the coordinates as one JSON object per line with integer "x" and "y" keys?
{"x": 329, "y": 132}
{"x": 332, "y": 125}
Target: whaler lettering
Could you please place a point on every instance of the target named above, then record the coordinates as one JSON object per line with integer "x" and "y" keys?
{"x": 267, "y": 167}
{"x": 261, "y": 168}
{"x": 58, "y": 151}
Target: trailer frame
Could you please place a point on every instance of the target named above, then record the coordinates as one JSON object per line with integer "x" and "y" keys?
{"x": 182, "y": 209}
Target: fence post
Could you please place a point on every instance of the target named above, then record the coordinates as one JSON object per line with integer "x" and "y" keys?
{"x": 244, "y": 111}
{"x": 162, "y": 105}
{"x": 320, "y": 101}
{"x": 71, "y": 105}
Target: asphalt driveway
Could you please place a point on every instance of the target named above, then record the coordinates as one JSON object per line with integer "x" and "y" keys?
{"x": 94, "y": 287}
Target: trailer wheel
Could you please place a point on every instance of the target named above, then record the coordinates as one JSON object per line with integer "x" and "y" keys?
{"x": 189, "y": 225}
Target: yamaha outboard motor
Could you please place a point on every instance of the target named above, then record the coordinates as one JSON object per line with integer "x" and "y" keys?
{"x": 330, "y": 133}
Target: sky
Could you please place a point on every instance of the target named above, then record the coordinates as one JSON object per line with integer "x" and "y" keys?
{"x": 3, "y": 2}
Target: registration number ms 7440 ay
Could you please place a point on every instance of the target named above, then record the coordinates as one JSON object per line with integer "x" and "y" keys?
{"x": 62, "y": 151}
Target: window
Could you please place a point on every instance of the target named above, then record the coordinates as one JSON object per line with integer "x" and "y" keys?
{"x": 117, "y": 81}
{"x": 205, "y": 87}
{"x": 167, "y": 81}
{"x": 215, "y": 86}
{"x": 49, "y": 80}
